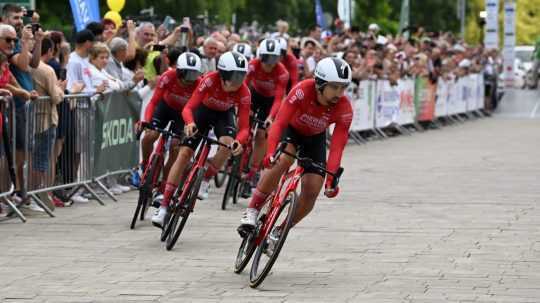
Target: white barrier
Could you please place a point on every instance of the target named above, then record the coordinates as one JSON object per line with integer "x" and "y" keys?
{"x": 407, "y": 111}
{"x": 377, "y": 104}
{"x": 364, "y": 107}
{"x": 387, "y": 109}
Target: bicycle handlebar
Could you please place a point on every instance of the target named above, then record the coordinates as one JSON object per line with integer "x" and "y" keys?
{"x": 146, "y": 125}
{"x": 305, "y": 160}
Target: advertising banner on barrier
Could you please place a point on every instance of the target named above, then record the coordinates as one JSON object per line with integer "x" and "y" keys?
{"x": 471, "y": 92}
{"x": 407, "y": 111}
{"x": 441, "y": 103}
{"x": 115, "y": 146}
{"x": 424, "y": 99}
{"x": 480, "y": 91}
{"x": 364, "y": 106}
{"x": 387, "y": 109}
{"x": 461, "y": 97}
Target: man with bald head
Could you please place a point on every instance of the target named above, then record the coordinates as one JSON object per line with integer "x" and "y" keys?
{"x": 209, "y": 52}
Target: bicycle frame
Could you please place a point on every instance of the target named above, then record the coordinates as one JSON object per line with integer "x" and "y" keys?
{"x": 289, "y": 182}
{"x": 200, "y": 161}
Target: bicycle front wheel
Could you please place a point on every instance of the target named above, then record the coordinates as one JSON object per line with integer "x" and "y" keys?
{"x": 267, "y": 252}
{"x": 186, "y": 208}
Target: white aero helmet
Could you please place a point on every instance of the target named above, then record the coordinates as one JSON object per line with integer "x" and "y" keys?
{"x": 188, "y": 67}
{"x": 232, "y": 66}
{"x": 333, "y": 70}
{"x": 244, "y": 49}
{"x": 269, "y": 51}
{"x": 283, "y": 46}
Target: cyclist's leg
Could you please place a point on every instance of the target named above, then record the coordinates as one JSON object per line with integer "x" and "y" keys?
{"x": 314, "y": 148}
{"x": 160, "y": 118}
{"x": 225, "y": 131}
{"x": 311, "y": 187}
{"x": 185, "y": 154}
{"x": 147, "y": 144}
{"x": 262, "y": 106}
{"x": 270, "y": 178}
{"x": 177, "y": 128}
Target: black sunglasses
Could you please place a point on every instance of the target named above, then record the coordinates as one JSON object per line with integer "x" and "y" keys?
{"x": 9, "y": 39}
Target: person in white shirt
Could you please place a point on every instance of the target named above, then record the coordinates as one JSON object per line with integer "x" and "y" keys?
{"x": 78, "y": 65}
{"x": 98, "y": 80}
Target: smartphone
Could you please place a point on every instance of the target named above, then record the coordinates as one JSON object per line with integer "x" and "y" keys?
{"x": 169, "y": 23}
{"x": 62, "y": 74}
{"x": 29, "y": 13}
{"x": 158, "y": 47}
{"x": 35, "y": 27}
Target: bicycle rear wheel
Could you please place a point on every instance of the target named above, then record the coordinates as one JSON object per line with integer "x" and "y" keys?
{"x": 284, "y": 219}
{"x": 186, "y": 208}
{"x": 247, "y": 248}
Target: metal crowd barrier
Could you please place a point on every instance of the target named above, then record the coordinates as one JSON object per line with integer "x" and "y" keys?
{"x": 59, "y": 151}
{"x": 7, "y": 155}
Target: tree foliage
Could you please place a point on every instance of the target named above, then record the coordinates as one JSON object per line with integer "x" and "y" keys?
{"x": 434, "y": 15}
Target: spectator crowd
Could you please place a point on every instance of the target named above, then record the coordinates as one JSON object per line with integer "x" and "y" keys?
{"x": 36, "y": 62}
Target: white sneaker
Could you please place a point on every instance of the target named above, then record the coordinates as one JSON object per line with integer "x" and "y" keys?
{"x": 123, "y": 188}
{"x": 159, "y": 217}
{"x": 156, "y": 202}
{"x": 203, "y": 191}
{"x": 77, "y": 198}
{"x": 249, "y": 218}
{"x": 115, "y": 190}
{"x": 33, "y": 206}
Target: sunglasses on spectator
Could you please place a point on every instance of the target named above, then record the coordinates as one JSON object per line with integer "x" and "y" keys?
{"x": 10, "y": 40}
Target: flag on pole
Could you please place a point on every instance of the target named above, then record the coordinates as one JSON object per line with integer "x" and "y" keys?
{"x": 319, "y": 15}
{"x": 344, "y": 12}
{"x": 404, "y": 17}
{"x": 84, "y": 12}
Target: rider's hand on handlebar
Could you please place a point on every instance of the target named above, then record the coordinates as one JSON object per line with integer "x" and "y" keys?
{"x": 190, "y": 130}
{"x": 328, "y": 190}
{"x": 268, "y": 122}
{"x": 268, "y": 161}
{"x": 139, "y": 126}
{"x": 236, "y": 148}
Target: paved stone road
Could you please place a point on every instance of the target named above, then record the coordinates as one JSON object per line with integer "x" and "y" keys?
{"x": 449, "y": 215}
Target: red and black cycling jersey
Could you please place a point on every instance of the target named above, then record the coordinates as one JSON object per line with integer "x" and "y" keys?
{"x": 272, "y": 84}
{"x": 211, "y": 94}
{"x": 291, "y": 64}
{"x": 169, "y": 90}
{"x": 301, "y": 111}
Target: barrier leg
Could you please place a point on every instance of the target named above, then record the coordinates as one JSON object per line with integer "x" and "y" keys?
{"x": 42, "y": 205}
{"x": 93, "y": 193}
{"x": 402, "y": 130}
{"x": 106, "y": 190}
{"x": 383, "y": 135}
{"x": 14, "y": 210}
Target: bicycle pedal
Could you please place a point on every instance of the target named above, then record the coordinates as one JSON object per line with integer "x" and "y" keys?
{"x": 244, "y": 230}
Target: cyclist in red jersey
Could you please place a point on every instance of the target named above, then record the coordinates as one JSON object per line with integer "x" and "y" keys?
{"x": 309, "y": 109}
{"x": 212, "y": 105}
{"x": 267, "y": 80}
{"x": 290, "y": 62}
{"x": 173, "y": 90}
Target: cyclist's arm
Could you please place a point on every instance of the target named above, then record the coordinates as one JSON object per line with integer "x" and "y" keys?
{"x": 244, "y": 108}
{"x": 196, "y": 99}
{"x": 156, "y": 98}
{"x": 284, "y": 115}
{"x": 280, "y": 93}
{"x": 338, "y": 141}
